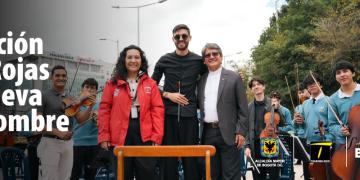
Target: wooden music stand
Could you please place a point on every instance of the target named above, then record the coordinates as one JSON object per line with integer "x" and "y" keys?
{"x": 163, "y": 151}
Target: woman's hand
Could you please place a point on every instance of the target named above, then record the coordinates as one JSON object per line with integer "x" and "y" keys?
{"x": 105, "y": 145}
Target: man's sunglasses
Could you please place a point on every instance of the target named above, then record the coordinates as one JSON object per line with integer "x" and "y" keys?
{"x": 214, "y": 54}
{"x": 178, "y": 37}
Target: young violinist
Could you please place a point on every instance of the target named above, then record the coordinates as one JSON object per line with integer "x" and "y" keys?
{"x": 275, "y": 99}
{"x": 303, "y": 94}
{"x": 55, "y": 149}
{"x": 312, "y": 112}
{"x": 257, "y": 109}
{"x": 344, "y": 99}
{"x": 85, "y": 134}
{"x": 346, "y": 104}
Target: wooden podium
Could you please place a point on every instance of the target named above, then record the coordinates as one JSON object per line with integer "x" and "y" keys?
{"x": 205, "y": 151}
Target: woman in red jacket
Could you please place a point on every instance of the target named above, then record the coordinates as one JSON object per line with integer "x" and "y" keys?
{"x": 132, "y": 112}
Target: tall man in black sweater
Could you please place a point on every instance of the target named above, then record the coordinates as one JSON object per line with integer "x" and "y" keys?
{"x": 182, "y": 70}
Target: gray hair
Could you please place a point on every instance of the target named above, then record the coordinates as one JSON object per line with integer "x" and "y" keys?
{"x": 211, "y": 46}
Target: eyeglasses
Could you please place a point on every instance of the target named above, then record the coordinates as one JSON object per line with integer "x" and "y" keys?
{"x": 178, "y": 37}
{"x": 214, "y": 54}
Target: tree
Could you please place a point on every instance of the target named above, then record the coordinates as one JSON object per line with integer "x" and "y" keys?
{"x": 277, "y": 52}
{"x": 245, "y": 72}
{"x": 337, "y": 34}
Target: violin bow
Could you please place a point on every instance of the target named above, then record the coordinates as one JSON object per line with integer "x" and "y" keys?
{"x": 297, "y": 80}
{"x": 292, "y": 102}
{"x": 252, "y": 161}
{"x": 332, "y": 110}
{"x": 77, "y": 69}
{"x": 327, "y": 101}
{"x": 179, "y": 86}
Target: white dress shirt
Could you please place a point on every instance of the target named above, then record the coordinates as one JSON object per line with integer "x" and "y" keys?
{"x": 315, "y": 99}
{"x": 211, "y": 94}
{"x": 341, "y": 94}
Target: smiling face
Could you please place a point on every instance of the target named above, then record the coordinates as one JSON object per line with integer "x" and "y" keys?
{"x": 181, "y": 39}
{"x": 59, "y": 78}
{"x": 344, "y": 77}
{"x": 133, "y": 61}
{"x": 212, "y": 59}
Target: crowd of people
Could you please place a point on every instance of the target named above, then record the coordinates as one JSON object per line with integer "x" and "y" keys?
{"x": 134, "y": 111}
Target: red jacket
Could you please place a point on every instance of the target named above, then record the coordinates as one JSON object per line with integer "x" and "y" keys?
{"x": 115, "y": 109}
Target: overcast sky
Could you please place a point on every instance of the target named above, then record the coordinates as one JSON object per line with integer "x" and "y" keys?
{"x": 75, "y": 26}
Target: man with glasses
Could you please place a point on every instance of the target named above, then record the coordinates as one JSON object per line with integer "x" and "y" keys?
{"x": 182, "y": 70}
{"x": 224, "y": 114}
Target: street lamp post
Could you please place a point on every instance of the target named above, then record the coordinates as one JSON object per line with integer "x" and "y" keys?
{"x": 138, "y": 15}
{"x": 277, "y": 16}
{"x": 114, "y": 41}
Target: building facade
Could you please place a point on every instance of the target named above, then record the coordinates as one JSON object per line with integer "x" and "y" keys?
{"x": 83, "y": 68}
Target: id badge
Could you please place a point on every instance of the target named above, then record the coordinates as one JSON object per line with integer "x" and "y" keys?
{"x": 134, "y": 112}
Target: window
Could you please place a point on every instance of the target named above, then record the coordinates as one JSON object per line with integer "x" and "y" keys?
{"x": 84, "y": 67}
{"x": 95, "y": 68}
{"x": 71, "y": 65}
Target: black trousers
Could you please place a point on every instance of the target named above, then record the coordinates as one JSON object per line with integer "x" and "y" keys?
{"x": 265, "y": 172}
{"x": 33, "y": 161}
{"x": 225, "y": 164}
{"x": 140, "y": 168}
{"x": 84, "y": 157}
{"x": 183, "y": 133}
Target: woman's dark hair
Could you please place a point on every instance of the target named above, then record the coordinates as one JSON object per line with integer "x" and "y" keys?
{"x": 120, "y": 71}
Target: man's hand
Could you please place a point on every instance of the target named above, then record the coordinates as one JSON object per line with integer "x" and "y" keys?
{"x": 64, "y": 135}
{"x": 247, "y": 152}
{"x": 87, "y": 95}
{"x": 298, "y": 118}
{"x": 155, "y": 144}
{"x": 105, "y": 145}
{"x": 345, "y": 131}
{"x": 239, "y": 141}
{"x": 177, "y": 98}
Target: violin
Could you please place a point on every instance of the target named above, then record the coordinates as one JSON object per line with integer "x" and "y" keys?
{"x": 321, "y": 171}
{"x": 350, "y": 170}
{"x": 272, "y": 120}
{"x": 302, "y": 99}
{"x": 71, "y": 106}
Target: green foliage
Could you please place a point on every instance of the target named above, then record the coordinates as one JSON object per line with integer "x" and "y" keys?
{"x": 312, "y": 34}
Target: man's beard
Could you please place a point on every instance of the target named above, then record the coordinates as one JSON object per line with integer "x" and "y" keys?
{"x": 182, "y": 48}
